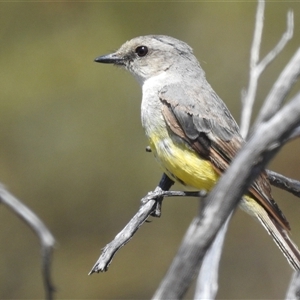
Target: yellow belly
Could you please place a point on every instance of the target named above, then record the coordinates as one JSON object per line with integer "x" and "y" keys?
{"x": 182, "y": 164}
{"x": 185, "y": 166}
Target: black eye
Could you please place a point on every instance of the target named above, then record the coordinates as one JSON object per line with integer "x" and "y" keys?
{"x": 141, "y": 51}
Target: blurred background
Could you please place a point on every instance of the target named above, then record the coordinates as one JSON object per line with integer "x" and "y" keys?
{"x": 73, "y": 150}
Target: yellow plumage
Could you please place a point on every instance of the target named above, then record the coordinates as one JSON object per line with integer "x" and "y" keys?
{"x": 183, "y": 164}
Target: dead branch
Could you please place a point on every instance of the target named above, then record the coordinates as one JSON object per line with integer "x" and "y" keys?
{"x": 47, "y": 240}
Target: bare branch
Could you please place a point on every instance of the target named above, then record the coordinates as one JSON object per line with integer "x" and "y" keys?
{"x": 257, "y": 68}
{"x": 150, "y": 205}
{"x": 280, "y": 89}
{"x": 261, "y": 147}
{"x": 207, "y": 282}
{"x": 249, "y": 96}
{"x": 46, "y": 238}
{"x": 294, "y": 287}
{"x": 259, "y": 24}
{"x": 285, "y": 183}
{"x": 281, "y": 44}
{"x": 295, "y": 134}
{"x": 123, "y": 237}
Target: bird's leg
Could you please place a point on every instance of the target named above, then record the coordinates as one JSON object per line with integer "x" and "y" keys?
{"x": 158, "y": 195}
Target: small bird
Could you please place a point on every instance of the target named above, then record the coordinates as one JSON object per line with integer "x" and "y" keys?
{"x": 191, "y": 132}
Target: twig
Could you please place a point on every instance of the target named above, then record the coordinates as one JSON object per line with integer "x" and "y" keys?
{"x": 46, "y": 238}
{"x": 257, "y": 68}
{"x": 225, "y": 196}
{"x": 293, "y": 292}
{"x": 280, "y": 89}
{"x": 281, "y": 44}
{"x": 285, "y": 183}
{"x": 295, "y": 134}
{"x": 259, "y": 25}
{"x": 147, "y": 208}
{"x": 207, "y": 282}
{"x": 249, "y": 97}
{"x": 124, "y": 236}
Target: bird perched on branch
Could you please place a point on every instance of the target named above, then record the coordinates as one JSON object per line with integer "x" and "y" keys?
{"x": 191, "y": 132}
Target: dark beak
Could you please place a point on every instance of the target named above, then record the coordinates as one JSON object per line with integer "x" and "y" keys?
{"x": 112, "y": 58}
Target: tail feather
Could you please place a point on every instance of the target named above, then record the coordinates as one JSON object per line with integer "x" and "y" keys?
{"x": 282, "y": 240}
{"x": 278, "y": 233}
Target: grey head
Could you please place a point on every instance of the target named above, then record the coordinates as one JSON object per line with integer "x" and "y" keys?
{"x": 150, "y": 55}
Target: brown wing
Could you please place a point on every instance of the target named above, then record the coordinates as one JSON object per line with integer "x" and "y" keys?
{"x": 209, "y": 128}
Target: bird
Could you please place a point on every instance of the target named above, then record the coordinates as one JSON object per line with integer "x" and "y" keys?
{"x": 191, "y": 132}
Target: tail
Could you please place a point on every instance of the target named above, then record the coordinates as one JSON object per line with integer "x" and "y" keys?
{"x": 278, "y": 233}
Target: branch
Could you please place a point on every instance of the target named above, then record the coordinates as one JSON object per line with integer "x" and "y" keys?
{"x": 150, "y": 203}
{"x": 123, "y": 237}
{"x": 284, "y": 183}
{"x": 207, "y": 282}
{"x": 47, "y": 240}
{"x": 281, "y": 44}
{"x": 295, "y": 134}
{"x": 280, "y": 89}
{"x": 257, "y": 68}
{"x": 294, "y": 287}
{"x": 248, "y": 98}
{"x": 223, "y": 199}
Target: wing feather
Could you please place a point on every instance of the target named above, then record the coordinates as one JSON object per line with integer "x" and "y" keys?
{"x": 211, "y": 131}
